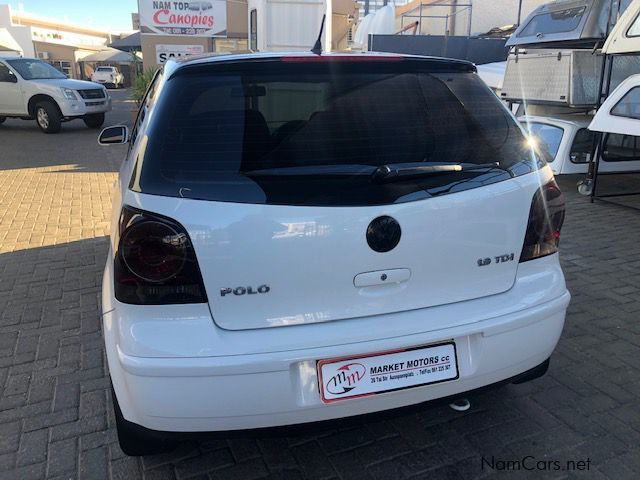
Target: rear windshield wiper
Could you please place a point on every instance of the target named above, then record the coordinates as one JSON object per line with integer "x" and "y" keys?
{"x": 313, "y": 170}
{"x": 394, "y": 172}
{"x": 390, "y": 172}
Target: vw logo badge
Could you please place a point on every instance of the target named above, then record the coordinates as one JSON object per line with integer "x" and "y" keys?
{"x": 383, "y": 234}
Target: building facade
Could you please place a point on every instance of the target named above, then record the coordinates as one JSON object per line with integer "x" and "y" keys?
{"x": 61, "y": 44}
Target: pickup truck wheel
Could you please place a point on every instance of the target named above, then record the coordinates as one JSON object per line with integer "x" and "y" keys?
{"x": 2, "y": 119}
{"x": 48, "y": 117}
{"x": 94, "y": 120}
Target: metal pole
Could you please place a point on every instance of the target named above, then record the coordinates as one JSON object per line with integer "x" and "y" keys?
{"x": 519, "y": 12}
{"x": 598, "y": 142}
{"x": 470, "y": 14}
{"x": 366, "y": 7}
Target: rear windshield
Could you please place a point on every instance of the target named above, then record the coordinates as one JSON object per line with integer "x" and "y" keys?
{"x": 105, "y": 69}
{"x": 315, "y": 133}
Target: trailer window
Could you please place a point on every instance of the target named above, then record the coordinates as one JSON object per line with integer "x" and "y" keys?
{"x": 549, "y": 137}
{"x": 634, "y": 29}
{"x": 582, "y": 146}
{"x": 629, "y": 105}
{"x": 621, "y": 148}
{"x": 561, "y": 21}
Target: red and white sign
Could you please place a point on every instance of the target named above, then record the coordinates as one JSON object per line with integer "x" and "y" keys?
{"x": 371, "y": 374}
{"x": 206, "y": 18}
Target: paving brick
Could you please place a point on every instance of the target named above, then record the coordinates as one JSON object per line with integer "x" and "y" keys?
{"x": 347, "y": 465}
{"x": 313, "y": 461}
{"x": 94, "y": 463}
{"x": 249, "y": 469}
{"x": 92, "y": 403}
{"x": 67, "y": 396}
{"x": 80, "y": 427}
{"x": 55, "y": 413}
{"x": 9, "y": 436}
{"x": 204, "y": 463}
{"x": 33, "y": 447}
{"x": 62, "y": 457}
{"x": 49, "y": 419}
{"x": 35, "y": 471}
{"x": 244, "y": 449}
{"x": 345, "y": 440}
{"x": 277, "y": 454}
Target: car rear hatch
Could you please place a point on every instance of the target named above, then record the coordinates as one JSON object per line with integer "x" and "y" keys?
{"x": 319, "y": 189}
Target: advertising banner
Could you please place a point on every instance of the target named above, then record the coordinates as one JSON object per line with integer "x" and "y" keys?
{"x": 166, "y": 52}
{"x": 205, "y": 18}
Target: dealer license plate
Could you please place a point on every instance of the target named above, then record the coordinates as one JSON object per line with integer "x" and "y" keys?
{"x": 384, "y": 372}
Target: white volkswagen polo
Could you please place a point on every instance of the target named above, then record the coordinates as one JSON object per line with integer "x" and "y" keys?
{"x": 300, "y": 238}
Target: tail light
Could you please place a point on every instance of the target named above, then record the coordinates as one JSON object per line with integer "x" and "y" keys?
{"x": 545, "y": 221}
{"x": 155, "y": 263}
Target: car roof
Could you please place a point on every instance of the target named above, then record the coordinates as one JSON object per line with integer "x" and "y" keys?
{"x": 212, "y": 58}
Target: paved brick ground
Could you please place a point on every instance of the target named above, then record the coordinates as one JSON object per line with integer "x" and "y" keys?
{"x": 56, "y": 419}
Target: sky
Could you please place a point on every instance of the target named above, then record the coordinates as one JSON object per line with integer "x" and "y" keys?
{"x": 112, "y": 14}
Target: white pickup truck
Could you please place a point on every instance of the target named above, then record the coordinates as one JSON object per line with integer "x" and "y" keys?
{"x": 108, "y": 75}
{"x": 32, "y": 89}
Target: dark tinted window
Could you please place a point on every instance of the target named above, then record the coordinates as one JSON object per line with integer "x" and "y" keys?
{"x": 312, "y": 133}
{"x": 629, "y": 105}
{"x": 560, "y": 21}
{"x": 582, "y": 146}
{"x": 6, "y": 75}
{"x": 548, "y": 137}
{"x": 621, "y": 148}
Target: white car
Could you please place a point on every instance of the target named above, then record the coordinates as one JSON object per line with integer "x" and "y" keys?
{"x": 569, "y": 143}
{"x": 108, "y": 76}
{"x": 32, "y": 89}
{"x": 299, "y": 238}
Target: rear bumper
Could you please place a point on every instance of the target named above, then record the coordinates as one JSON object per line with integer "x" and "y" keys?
{"x": 315, "y": 427}
{"x": 278, "y": 388}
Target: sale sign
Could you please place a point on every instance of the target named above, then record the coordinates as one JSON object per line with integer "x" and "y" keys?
{"x": 202, "y": 18}
{"x": 167, "y": 52}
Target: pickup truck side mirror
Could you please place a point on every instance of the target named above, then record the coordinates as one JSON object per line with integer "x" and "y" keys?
{"x": 114, "y": 135}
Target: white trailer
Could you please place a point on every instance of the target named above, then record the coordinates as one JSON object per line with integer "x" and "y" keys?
{"x": 293, "y": 25}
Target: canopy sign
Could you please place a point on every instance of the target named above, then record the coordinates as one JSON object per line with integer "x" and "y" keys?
{"x": 206, "y": 18}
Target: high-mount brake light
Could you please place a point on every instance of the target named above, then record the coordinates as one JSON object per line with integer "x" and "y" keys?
{"x": 341, "y": 58}
{"x": 545, "y": 222}
{"x": 155, "y": 263}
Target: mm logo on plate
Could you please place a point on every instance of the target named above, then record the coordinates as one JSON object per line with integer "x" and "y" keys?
{"x": 346, "y": 379}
